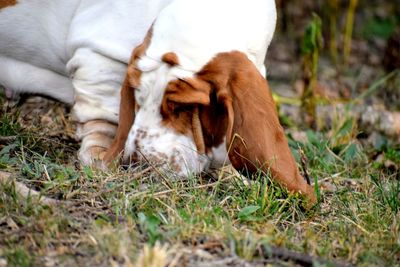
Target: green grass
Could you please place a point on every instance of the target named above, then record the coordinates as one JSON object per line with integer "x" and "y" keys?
{"x": 106, "y": 218}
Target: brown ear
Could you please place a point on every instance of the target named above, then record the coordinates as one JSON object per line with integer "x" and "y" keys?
{"x": 126, "y": 118}
{"x": 127, "y": 103}
{"x": 255, "y": 139}
{"x": 188, "y": 91}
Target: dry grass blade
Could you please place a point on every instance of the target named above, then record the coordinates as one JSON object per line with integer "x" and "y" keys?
{"x": 303, "y": 160}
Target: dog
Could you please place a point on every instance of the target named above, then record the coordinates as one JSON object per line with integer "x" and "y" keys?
{"x": 195, "y": 95}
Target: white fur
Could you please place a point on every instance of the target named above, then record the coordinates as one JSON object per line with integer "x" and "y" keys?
{"x": 196, "y": 31}
{"x": 219, "y": 156}
{"x": 75, "y": 51}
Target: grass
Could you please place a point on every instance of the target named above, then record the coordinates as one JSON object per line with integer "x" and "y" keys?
{"x": 120, "y": 216}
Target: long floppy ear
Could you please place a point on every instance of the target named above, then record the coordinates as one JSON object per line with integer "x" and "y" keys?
{"x": 127, "y": 103}
{"x": 255, "y": 139}
{"x": 126, "y": 118}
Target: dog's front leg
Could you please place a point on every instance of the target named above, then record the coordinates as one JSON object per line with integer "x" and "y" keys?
{"x": 97, "y": 81}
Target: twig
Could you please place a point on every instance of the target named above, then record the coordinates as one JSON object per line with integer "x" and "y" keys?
{"x": 27, "y": 192}
{"x": 7, "y": 139}
{"x": 296, "y": 257}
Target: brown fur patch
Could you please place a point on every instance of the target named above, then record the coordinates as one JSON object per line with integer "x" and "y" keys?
{"x": 133, "y": 74}
{"x": 177, "y": 116}
{"x": 128, "y": 105}
{"x": 7, "y": 3}
{"x": 170, "y": 58}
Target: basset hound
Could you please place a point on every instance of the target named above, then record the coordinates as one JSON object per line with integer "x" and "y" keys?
{"x": 195, "y": 94}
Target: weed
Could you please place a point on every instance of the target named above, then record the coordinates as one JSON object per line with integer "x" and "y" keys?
{"x": 311, "y": 48}
{"x": 18, "y": 257}
{"x": 150, "y": 225}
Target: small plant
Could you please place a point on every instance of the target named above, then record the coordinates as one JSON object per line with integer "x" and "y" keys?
{"x": 310, "y": 49}
{"x": 150, "y": 225}
{"x": 348, "y": 31}
{"x": 19, "y": 257}
{"x": 333, "y": 10}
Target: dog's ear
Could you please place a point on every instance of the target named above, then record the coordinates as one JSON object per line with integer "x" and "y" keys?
{"x": 254, "y": 137}
{"x": 188, "y": 91}
{"x": 127, "y": 103}
{"x": 126, "y": 118}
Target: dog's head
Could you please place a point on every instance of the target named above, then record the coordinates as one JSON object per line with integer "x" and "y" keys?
{"x": 191, "y": 99}
{"x": 224, "y": 112}
{"x": 162, "y": 131}
{"x": 189, "y": 120}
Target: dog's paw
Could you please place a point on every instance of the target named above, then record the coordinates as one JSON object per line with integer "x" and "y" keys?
{"x": 96, "y": 137}
{"x": 11, "y": 96}
{"x": 93, "y": 156}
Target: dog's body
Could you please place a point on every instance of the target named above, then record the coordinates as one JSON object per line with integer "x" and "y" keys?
{"x": 75, "y": 51}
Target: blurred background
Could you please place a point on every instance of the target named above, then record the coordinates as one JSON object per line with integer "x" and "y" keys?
{"x": 332, "y": 61}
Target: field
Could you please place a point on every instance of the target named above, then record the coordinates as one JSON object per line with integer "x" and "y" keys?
{"x": 86, "y": 217}
{"x": 54, "y": 212}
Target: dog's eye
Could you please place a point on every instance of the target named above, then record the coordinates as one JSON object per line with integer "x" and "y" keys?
{"x": 177, "y": 109}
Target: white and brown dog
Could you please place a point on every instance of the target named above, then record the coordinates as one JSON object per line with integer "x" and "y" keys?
{"x": 194, "y": 95}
